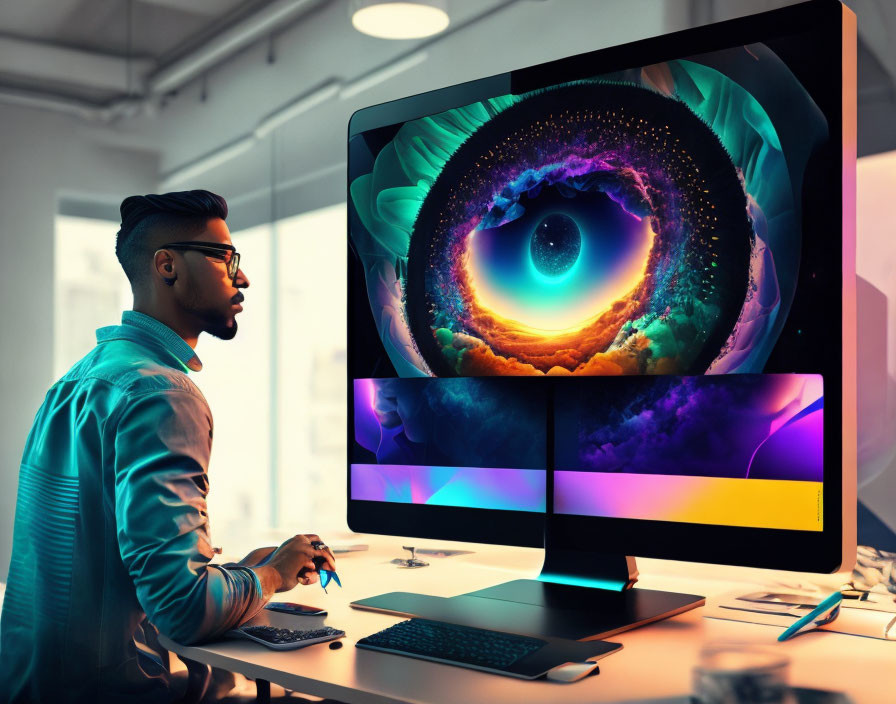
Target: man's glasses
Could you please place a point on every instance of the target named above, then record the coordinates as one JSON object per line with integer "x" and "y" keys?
{"x": 225, "y": 252}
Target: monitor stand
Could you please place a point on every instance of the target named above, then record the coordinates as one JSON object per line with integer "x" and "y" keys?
{"x": 578, "y": 595}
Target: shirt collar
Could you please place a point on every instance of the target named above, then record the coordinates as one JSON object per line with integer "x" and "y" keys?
{"x": 146, "y": 329}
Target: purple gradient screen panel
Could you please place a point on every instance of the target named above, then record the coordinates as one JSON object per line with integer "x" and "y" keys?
{"x": 747, "y": 426}
{"x": 463, "y": 422}
{"x": 449, "y": 442}
{"x": 466, "y": 487}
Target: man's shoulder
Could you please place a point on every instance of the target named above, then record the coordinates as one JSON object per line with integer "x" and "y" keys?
{"x": 132, "y": 369}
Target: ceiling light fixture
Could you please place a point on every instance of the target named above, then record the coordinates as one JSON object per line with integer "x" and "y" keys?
{"x": 411, "y": 19}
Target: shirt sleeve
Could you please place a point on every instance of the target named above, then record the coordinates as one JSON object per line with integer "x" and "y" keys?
{"x": 162, "y": 447}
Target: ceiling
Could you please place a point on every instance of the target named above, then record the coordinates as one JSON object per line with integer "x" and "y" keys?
{"x": 109, "y": 59}
{"x": 102, "y": 25}
{"x": 98, "y": 51}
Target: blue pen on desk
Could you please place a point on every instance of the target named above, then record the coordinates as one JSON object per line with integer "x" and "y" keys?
{"x": 326, "y": 576}
{"x": 824, "y": 613}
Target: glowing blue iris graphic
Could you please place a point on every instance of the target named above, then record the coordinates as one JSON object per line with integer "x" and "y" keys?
{"x": 555, "y": 245}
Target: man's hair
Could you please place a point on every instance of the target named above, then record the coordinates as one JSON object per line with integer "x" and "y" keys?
{"x": 149, "y": 221}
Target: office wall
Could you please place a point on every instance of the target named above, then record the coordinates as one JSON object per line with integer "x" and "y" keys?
{"x": 44, "y": 157}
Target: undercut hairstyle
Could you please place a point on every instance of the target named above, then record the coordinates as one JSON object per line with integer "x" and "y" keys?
{"x": 148, "y": 222}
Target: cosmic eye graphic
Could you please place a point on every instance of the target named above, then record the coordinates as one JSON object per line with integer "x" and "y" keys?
{"x": 642, "y": 223}
{"x": 607, "y": 237}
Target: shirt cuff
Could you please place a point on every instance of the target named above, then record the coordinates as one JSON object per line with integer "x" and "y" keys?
{"x": 235, "y": 566}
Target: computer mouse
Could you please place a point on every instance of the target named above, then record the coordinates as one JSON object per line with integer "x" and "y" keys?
{"x": 336, "y": 645}
{"x": 572, "y": 671}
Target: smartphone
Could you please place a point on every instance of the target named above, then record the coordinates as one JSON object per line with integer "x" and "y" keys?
{"x": 287, "y": 607}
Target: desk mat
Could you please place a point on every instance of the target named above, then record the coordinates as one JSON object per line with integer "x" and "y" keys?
{"x": 471, "y": 611}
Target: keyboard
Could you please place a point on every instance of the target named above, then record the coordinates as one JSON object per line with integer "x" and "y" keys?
{"x": 465, "y": 646}
{"x": 285, "y": 638}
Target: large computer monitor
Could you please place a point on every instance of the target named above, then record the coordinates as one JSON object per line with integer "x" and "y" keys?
{"x": 607, "y": 305}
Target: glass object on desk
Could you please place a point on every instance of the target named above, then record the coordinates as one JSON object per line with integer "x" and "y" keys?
{"x": 736, "y": 673}
{"x": 413, "y": 562}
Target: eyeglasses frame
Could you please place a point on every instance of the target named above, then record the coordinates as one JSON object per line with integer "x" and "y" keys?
{"x": 233, "y": 264}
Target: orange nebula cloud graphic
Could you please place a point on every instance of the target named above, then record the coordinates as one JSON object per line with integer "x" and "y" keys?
{"x": 512, "y": 348}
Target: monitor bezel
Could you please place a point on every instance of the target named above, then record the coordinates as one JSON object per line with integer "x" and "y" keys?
{"x": 812, "y": 551}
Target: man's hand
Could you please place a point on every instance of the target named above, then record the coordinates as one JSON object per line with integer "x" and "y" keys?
{"x": 291, "y": 564}
{"x": 257, "y": 557}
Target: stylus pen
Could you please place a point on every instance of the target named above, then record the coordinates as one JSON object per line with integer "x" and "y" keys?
{"x": 824, "y": 613}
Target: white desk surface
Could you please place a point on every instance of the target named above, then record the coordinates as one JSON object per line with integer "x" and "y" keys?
{"x": 655, "y": 661}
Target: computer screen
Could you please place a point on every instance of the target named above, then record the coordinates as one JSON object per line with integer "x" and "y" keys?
{"x": 615, "y": 290}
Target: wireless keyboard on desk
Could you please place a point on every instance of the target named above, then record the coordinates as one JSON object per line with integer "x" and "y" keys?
{"x": 480, "y": 649}
{"x": 285, "y": 638}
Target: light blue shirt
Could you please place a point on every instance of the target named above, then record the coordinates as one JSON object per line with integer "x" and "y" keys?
{"x": 111, "y": 540}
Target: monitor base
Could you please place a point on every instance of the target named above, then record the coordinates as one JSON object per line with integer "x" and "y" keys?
{"x": 535, "y": 607}
{"x": 581, "y": 594}
{"x": 585, "y": 613}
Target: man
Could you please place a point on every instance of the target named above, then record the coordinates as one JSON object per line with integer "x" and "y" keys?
{"x": 111, "y": 541}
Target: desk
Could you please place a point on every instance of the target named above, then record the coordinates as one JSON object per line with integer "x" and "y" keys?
{"x": 655, "y": 661}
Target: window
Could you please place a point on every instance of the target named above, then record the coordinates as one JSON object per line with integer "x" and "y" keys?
{"x": 312, "y": 371}
{"x": 90, "y": 288}
{"x": 236, "y": 381}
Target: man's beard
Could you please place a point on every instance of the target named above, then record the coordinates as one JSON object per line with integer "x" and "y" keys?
{"x": 214, "y": 322}
{"x": 219, "y": 328}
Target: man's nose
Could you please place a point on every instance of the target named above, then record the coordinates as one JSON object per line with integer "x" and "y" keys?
{"x": 241, "y": 280}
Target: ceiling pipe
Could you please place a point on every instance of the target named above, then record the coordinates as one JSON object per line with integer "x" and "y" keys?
{"x": 315, "y": 97}
{"x": 102, "y": 114}
{"x": 168, "y": 78}
{"x": 236, "y": 37}
{"x": 40, "y": 60}
{"x": 232, "y": 39}
{"x": 272, "y": 17}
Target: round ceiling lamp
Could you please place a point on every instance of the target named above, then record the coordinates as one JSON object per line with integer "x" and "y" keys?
{"x": 411, "y": 19}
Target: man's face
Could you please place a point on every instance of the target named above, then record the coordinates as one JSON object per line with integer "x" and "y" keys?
{"x": 210, "y": 294}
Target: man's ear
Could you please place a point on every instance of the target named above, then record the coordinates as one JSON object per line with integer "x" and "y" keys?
{"x": 164, "y": 266}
